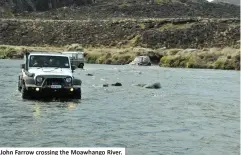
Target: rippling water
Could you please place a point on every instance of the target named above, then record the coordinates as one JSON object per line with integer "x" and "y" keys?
{"x": 195, "y": 112}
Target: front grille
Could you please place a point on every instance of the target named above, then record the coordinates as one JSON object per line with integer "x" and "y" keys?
{"x": 54, "y": 81}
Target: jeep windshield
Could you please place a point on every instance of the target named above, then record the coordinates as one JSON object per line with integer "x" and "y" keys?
{"x": 49, "y": 61}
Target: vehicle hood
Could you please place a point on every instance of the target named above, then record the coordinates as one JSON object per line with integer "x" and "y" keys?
{"x": 50, "y": 71}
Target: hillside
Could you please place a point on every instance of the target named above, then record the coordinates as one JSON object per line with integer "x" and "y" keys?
{"x": 129, "y": 9}
{"x": 150, "y": 33}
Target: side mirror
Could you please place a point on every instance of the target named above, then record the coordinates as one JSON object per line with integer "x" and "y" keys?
{"x": 23, "y": 66}
{"x": 73, "y": 67}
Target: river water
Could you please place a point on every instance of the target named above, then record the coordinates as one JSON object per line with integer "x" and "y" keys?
{"x": 195, "y": 112}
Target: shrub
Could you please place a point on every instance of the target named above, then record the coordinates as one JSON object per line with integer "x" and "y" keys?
{"x": 229, "y": 64}
{"x": 108, "y": 61}
{"x": 173, "y": 51}
{"x": 100, "y": 60}
{"x": 91, "y": 58}
{"x": 165, "y": 61}
{"x": 108, "y": 55}
{"x": 75, "y": 47}
{"x": 11, "y": 52}
{"x": 173, "y": 61}
{"x": 219, "y": 64}
{"x": 192, "y": 62}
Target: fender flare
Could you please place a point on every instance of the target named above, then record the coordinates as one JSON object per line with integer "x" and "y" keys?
{"x": 28, "y": 80}
{"x": 77, "y": 82}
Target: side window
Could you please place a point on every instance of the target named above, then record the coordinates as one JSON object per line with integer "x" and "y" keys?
{"x": 80, "y": 56}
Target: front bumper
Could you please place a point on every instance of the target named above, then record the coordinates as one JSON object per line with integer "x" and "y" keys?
{"x": 53, "y": 92}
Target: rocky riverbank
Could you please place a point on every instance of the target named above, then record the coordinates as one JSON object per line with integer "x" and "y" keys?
{"x": 212, "y": 58}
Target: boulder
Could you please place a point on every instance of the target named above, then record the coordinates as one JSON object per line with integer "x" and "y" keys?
{"x": 156, "y": 85}
{"x": 116, "y": 84}
{"x": 141, "y": 85}
{"x": 105, "y": 85}
{"x": 89, "y": 74}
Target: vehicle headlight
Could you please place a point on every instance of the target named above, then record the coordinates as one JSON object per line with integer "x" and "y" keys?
{"x": 68, "y": 80}
{"x": 39, "y": 79}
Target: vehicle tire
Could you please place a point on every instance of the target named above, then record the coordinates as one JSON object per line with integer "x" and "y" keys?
{"x": 77, "y": 94}
{"x": 81, "y": 65}
{"x": 19, "y": 86}
{"x": 25, "y": 93}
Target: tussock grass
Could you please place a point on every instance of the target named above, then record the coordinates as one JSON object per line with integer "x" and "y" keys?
{"x": 214, "y": 58}
{"x": 109, "y": 55}
{"x": 227, "y": 58}
{"x": 74, "y": 47}
{"x": 175, "y": 26}
{"x": 9, "y": 51}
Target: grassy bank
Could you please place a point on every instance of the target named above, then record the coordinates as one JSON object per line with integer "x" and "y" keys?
{"x": 214, "y": 58}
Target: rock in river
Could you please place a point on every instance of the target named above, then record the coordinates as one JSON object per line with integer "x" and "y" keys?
{"x": 116, "y": 84}
{"x": 156, "y": 85}
{"x": 105, "y": 85}
{"x": 141, "y": 85}
{"x": 89, "y": 74}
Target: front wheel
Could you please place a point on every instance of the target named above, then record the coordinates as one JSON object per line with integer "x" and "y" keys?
{"x": 77, "y": 94}
{"x": 25, "y": 93}
{"x": 19, "y": 86}
{"x": 81, "y": 65}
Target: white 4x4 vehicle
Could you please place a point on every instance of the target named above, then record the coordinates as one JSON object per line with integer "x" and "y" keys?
{"x": 48, "y": 75}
